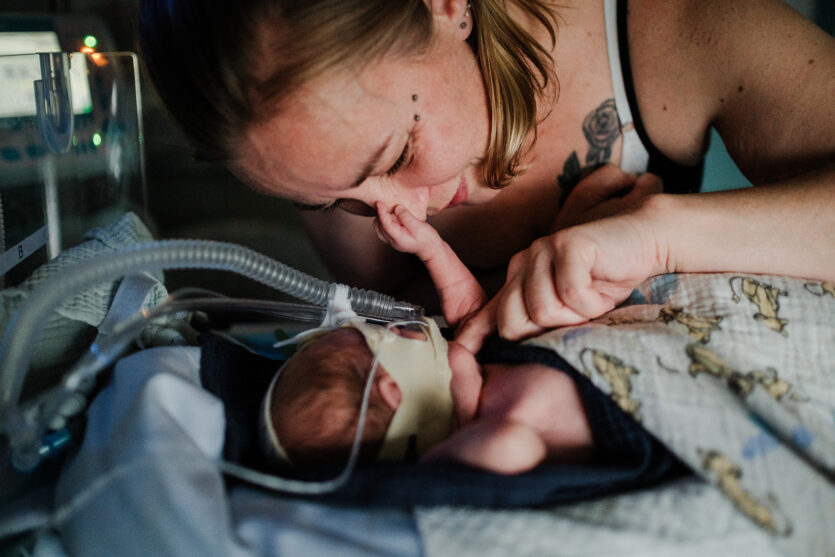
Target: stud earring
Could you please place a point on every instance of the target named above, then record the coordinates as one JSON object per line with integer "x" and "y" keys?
{"x": 467, "y": 13}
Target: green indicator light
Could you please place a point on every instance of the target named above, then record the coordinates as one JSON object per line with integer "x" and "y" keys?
{"x": 91, "y": 41}
{"x": 96, "y": 139}
{"x": 75, "y": 140}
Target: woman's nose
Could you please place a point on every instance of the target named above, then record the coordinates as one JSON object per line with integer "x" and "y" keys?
{"x": 415, "y": 199}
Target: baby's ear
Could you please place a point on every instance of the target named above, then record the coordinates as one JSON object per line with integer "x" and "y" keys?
{"x": 389, "y": 391}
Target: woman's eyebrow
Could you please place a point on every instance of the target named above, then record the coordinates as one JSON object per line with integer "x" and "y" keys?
{"x": 372, "y": 163}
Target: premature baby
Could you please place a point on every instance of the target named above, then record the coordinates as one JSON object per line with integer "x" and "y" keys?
{"x": 430, "y": 399}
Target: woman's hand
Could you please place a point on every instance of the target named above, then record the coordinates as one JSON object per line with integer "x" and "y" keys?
{"x": 603, "y": 193}
{"x": 570, "y": 277}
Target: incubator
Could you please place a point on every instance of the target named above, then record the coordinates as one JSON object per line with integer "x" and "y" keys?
{"x": 72, "y": 159}
{"x": 71, "y": 154}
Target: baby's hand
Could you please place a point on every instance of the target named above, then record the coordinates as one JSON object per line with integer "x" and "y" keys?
{"x": 404, "y": 232}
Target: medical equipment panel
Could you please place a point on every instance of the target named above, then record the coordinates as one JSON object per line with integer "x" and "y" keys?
{"x": 71, "y": 152}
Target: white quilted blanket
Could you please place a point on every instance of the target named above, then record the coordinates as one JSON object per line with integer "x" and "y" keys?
{"x": 736, "y": 375}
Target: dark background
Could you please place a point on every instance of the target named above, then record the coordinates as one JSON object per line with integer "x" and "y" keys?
{"x": 187, "y": 198}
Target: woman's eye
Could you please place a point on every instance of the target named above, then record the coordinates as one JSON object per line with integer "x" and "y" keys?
{"x": 354, "y": 207}
{"x": 400, "y": 160}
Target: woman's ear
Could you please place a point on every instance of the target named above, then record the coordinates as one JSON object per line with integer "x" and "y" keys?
{"x": 456, "y": 14}
{"x": 389, "y": 391}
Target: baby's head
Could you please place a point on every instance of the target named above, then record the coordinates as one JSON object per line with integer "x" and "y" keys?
{"x": 311, "y": 410}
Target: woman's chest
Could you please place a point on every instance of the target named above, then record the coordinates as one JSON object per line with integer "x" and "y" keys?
{"x": 580, "y": 133}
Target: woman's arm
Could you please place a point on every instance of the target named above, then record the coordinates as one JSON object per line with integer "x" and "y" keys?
{"x": 581, "y": 272}
{"x": 766, "y": 78}
{"x": 756, "y": 70}
{"x": 785, "y": 228}
{"x": 771, "y": 73}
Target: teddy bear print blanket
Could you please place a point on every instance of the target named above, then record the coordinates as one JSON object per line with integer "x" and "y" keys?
{"x": 736, "y": 375}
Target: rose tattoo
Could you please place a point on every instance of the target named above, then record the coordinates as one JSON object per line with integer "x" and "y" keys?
{"x": 601, "y": 128}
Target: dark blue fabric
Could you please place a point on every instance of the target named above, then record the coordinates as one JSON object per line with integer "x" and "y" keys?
{"x": 629, "y": 457}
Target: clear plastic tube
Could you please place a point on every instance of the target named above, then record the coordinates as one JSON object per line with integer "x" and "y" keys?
{"x": 18, "y": 342}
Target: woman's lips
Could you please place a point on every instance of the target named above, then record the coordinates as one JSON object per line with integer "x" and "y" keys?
{"x": 461, "y": 194}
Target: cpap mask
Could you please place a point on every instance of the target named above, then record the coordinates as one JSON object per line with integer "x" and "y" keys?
{"x": 420, "y": 367}
{"x": 421, "y": 370}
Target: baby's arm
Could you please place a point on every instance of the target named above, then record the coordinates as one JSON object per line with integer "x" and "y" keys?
{"x": 460, "y": 292}
{"x": 498, "y": 446}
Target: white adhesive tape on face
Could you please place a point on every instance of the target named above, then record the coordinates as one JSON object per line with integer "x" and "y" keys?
{"x": 421, "y": 370}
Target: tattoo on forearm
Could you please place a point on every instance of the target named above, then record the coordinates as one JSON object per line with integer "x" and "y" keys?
{"x": 601, "y": 128}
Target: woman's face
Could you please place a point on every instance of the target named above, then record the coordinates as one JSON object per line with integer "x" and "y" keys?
{"x": 409, "y": 131}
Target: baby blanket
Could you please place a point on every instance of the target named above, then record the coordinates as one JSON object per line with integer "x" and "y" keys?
{"x": 735, "y": 374}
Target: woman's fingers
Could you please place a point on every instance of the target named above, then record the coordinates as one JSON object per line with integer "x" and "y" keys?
{"x": 575, "y": 286}
{"x": 472, "y": 333}
{"x": 645, "y": 185}
{"x": 398, "y": 228}
{"x": 533, "y": 299}
{"x": 604, "y": 183}
{"x": 513, "y": 321}
{"x": 603, "y": 193}
{"x": 538, "y": 291}
{"x": 379, "y": 229}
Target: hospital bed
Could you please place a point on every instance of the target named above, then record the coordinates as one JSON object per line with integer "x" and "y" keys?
{"x": 132, "y": 465}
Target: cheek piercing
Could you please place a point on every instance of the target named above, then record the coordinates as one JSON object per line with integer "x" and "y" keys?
{"x": 414, "y": 98}
{"x": 417, "y": 117}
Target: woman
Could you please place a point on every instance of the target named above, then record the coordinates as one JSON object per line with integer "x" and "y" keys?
{"x": 482, "y": 117}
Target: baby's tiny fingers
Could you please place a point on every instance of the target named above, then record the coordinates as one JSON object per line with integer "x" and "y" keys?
{"x": 381, "y": 233}
{"x": 389, "y": 222}
{"x": 407, "y": 219}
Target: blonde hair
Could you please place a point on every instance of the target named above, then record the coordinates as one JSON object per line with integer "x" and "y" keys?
{"x": 205, "y": 58}
{"x": 516, "y": 71}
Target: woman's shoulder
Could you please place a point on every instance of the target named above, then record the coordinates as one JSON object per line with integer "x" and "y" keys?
{"x": 752, "y": 69}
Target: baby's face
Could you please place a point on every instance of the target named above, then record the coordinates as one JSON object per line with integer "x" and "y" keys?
{"x": 343, "y": 358}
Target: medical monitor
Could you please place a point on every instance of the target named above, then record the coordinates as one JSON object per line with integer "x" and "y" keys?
{"x": 71, "y": 154}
